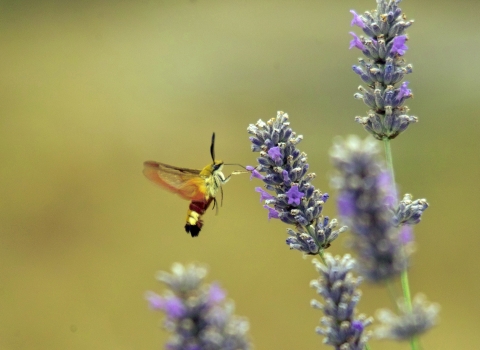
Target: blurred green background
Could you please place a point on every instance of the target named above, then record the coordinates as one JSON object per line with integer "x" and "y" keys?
{"x": 91, "y": 89}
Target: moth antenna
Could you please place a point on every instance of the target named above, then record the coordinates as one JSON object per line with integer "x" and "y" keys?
{"x": 212, "y": 147}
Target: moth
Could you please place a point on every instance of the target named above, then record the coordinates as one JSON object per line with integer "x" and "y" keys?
{"x": 200, "y": 187}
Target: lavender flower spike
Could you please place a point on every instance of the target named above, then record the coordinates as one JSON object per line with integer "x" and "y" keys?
{"x": 341, "y": 327}
{"x": 294, "y": 200}
{"x": 384, "y": 47}
{"x": 409, "y": 212}
{"x": 365, "y": 202}
{"x": 197, "y": 314}
{"x": 421, "y": 318}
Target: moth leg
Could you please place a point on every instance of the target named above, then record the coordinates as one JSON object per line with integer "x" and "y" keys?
{"x": 221, "y": 193}
{"x": 215, "y": 205}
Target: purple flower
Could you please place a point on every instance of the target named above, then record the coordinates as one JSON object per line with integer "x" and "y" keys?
{"x": 324, "y": 233}
{"x": 383, "y": 44}
{"x": 346, "y": 204}
{"x": 264, "y": 195}
{"x": 292, "y": 198}
{"x": 403, "y": 91}
{"x": 356, "y": 42}
{"x": 155, "y": 301}
{"x": 399, "y": 46}
{"x": 410, "y": 322}
{"x": 363, "y": 194}
{"x": 255, "y": 173}
{"x": 342, "y": 328}
{"x": 272, "y": 213}
{"x": 275, "y": 153}
{"x": 406, "y": 234}
{"x": 173, "y": 307}
{"x": 358, "y": 326}
{"x": 294, "y": 195}
{"x": 385, "y": 182}
{"x": 409, "y": 211}
{"x": 197, "y": 314}
{"x": 216, "y": 294}
{"x": 357, "y": 20}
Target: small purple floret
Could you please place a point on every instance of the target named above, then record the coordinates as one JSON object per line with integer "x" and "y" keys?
{"x": 399, "y": 46}
{"x": 264, "y": 195}
{"x": 357, "y": 20}
{"x": 404, "y": 90}
{"x": 346, "y": 204}
{"x": 356, "y": 42}
{"x": 174, "y": 307}
{"x": 272, "y": 213}
{"x": 385, "y": 182}
{"x": 294, "y": 195}
{"x": 155, "y": 301}
{"x": 256, "y": 174}
{"x": 358, "y": 326}
{"x": 406, "y": 234}
{"x": 216, "y": 294}
{"x": 275, "y": 153}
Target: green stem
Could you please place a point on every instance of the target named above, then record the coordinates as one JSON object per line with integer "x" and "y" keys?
{"x": 388, "y": 155}
{"x": 392, "y": 291}
{"x": 414, "y": 342}
{"x": 320, "y": 254}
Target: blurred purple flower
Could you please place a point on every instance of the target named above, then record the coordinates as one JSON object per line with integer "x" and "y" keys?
{"x": 216, "y": 294}
{"x": 363, "y": 193}
{"x": 155, "y": 301}
{"x": 197, "y": 314}
{"x": 173, "y": 307}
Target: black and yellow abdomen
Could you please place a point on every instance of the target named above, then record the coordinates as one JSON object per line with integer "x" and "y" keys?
{"x": 195, "y": 211}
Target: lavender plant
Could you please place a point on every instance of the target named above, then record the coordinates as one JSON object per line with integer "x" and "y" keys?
{"x": 368, "y": 199}
{"x": 197, "y": 314}
{"x": 381, "y": 225}
{"x": 338, "y": 287}
{"x": 364, "y": 201}
{"x": 385, "y": 67}
{"x": 295, "y": 201}
{"x": 381, "y": 232}
{"x": 290, "y": 197}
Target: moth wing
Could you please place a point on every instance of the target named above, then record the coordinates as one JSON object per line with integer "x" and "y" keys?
{"x": 187, "y": 183}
